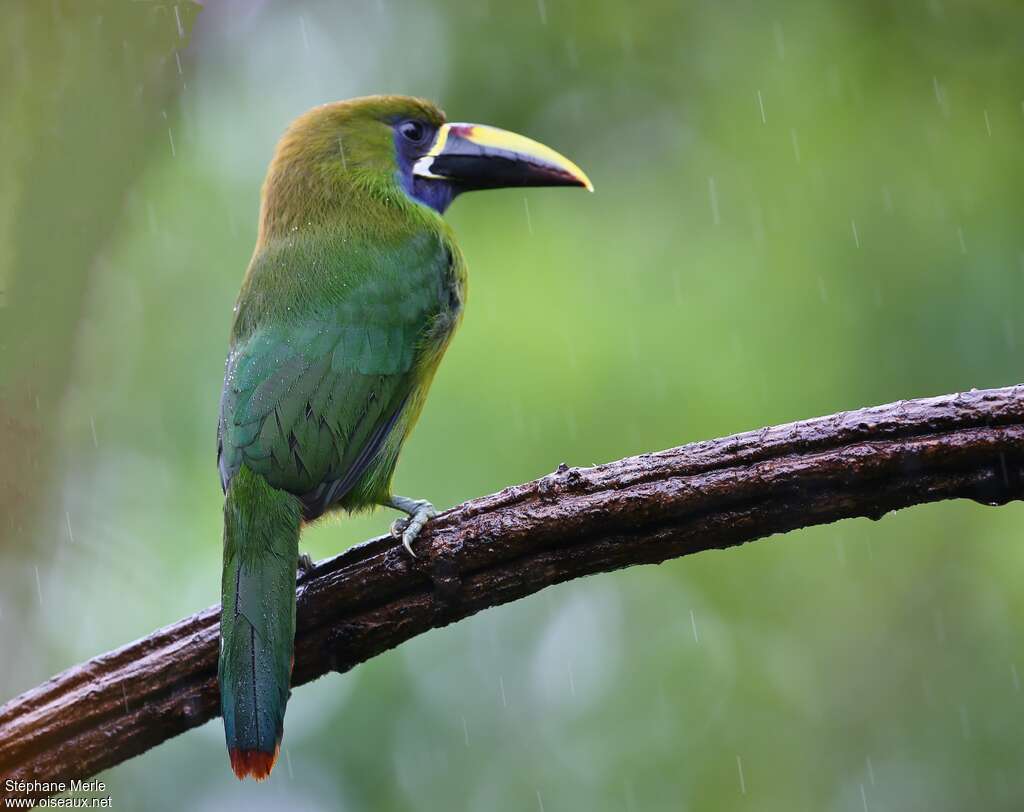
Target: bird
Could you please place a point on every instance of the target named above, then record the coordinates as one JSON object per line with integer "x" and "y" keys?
{"x": 350, "y": 299}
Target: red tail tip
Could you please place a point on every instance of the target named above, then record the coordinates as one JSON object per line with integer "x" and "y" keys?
{"x": 253, "y": 762}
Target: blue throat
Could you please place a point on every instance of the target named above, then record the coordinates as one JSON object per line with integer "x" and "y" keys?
{"x": 438, "y": 194}
{"x": 433, "y": 192}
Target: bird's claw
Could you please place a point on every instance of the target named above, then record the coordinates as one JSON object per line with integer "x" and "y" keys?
{"x": 305, "y": 563}
{"x": 420, "y": 512}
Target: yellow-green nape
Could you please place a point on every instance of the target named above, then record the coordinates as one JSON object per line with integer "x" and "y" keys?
{"x": 353, "y": 131}
{"x": 384, "y": 108}
{"x": 334, "y": 160}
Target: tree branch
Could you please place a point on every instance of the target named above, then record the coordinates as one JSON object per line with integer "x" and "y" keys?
{"x": 498, "y": 548}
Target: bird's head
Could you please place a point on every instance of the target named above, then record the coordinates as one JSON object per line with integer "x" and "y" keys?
{"x": 338, "y": 157}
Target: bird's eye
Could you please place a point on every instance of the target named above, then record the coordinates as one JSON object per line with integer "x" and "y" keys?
{"x": 414, "y": 131}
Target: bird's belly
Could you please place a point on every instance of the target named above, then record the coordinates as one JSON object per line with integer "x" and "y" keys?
{"x": 347, "y": 402}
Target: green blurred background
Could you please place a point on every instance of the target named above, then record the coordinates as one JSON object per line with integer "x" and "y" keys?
{"x": 801, "y": 208}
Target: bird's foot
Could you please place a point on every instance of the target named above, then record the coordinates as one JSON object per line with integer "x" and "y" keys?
{"x": 419, "y": 512}
{"x": 305, "y": 564}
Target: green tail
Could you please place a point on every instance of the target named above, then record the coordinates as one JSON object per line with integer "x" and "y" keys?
{"x": 257, "y": 622}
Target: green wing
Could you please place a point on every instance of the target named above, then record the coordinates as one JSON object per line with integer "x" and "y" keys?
{"x": 310, "y": 397}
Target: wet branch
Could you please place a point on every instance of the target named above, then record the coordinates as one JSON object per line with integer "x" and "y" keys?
{"x": 498, "y": 548}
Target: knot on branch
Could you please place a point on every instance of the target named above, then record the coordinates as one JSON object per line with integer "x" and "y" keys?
{"x": 564, "y": 479}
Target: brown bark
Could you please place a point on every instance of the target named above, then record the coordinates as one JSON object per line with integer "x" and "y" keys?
{"x": 495, "y": 549}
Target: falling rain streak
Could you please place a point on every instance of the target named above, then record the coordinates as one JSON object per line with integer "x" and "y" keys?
{"x": 940, "y": 96}
{"x": 780, "y": 40}
{"x": 887, "y": 200}
{"x": 627, "y": 788}
{"x": 965, "y": 722}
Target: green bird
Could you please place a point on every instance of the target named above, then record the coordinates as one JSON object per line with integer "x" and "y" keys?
{"x": 351, "y": 297}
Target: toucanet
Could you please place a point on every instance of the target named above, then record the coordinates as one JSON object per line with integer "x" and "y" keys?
{"x": 352, "y": 294}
